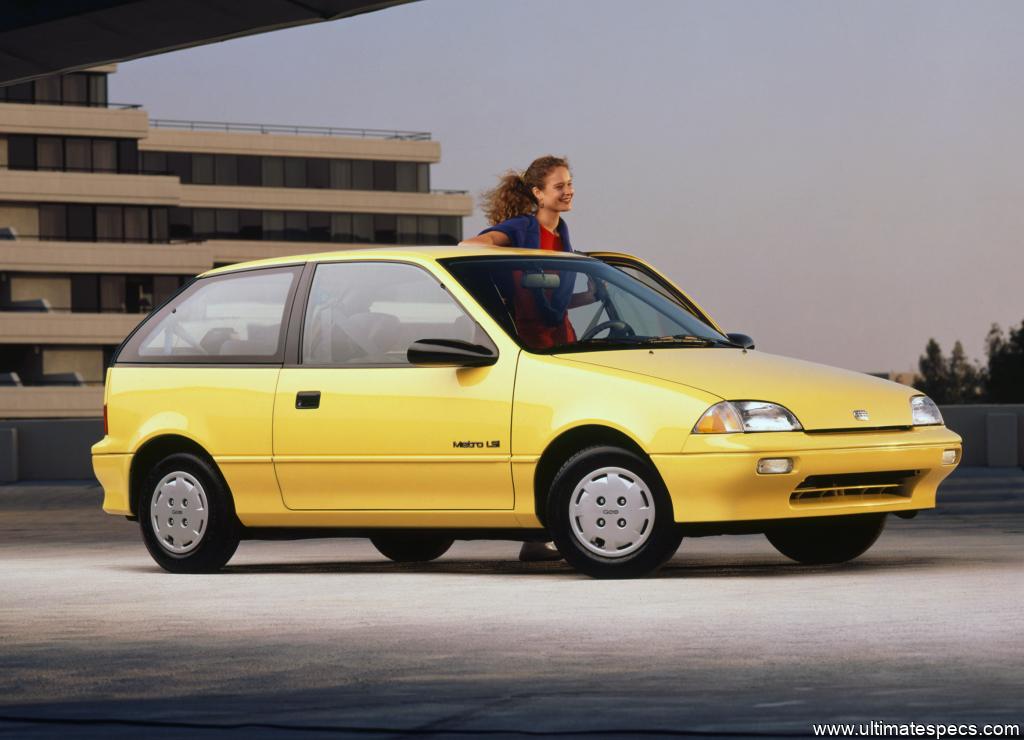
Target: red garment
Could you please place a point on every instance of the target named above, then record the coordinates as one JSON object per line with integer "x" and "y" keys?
{"x": 532, "y": 328}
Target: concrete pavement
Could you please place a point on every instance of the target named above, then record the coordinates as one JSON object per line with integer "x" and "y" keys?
{"x": 325, "y": 637}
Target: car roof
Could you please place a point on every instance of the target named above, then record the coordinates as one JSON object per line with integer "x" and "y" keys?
{"x": 414, "y": 254}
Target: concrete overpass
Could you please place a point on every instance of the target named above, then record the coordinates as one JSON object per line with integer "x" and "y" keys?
{"x": 39, "y": 39}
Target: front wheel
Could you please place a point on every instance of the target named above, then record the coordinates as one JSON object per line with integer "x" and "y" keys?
{"x": 411, "y": 546}
{"x": 187, "y": 516}
{"x": 610, "y": 514}
{"x": 827, "y": 540}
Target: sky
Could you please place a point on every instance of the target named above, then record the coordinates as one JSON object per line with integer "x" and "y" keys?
{"x": 840, "y": 180}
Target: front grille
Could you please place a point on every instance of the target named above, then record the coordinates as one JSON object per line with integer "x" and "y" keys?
{"x": 848, "y": 488}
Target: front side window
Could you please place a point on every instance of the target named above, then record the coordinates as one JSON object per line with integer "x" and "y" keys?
{"x": 222, "y": 319}
{"x": 559, "y": 304}
{"x": 368, "y": 313}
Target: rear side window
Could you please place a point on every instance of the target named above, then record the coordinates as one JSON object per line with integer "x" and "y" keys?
{"x": 233, "y": 318}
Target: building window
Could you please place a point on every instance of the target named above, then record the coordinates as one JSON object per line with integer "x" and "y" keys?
{"x": 406, "y": 177}
{"x": 319, "y": 227}
{"x": 127, "y": 155}
{"x": 384, "y": 176}
{"x": 159, "y": 230}
{"x": 294, "y": 172}
{"x": 407, "y": 230}
{"x": 97, "y": 89}
{"x": 109, "y": 223}
{"x": 75, "y": 89}
{"x": 154, "y": 163}
{"x": 205, "y": 223}
{"x": 341, "y": 174}
{"x": 180, "y": 223}
{"x": 296, "y": 226}
{"x": 226, "y": 169}
{"x": 318, "y": 173}
{"x": 21, "y": 152}
{"x": 250, "y": 224}
{"x": 104, "y": 155}
{"x": 48, "y": 90}
{"x": 81, "y": 225}
{"x": 136, "y": 224}
{"x": 362, "y": 174}
{"x": 451, "y": 230}
{"x": 78, "y": 154}
{"x": 179, "y": 164}
{"x": 49, "y": 153}
{"x": 273, "y": 172}
{"x": 429, "y": 230}
{"x": 202, "y": 169}
{"x": 385, "y": 228}
{"x": 22, "y": 93}
{"x": 273, "y": 225}
{"x": 53, "y": 220}
{"x": 227, "y": 223}
{"x": 250, "y": 171}
{"x": 341, "y": 227}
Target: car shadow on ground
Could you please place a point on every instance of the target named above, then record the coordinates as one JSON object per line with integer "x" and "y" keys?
{"x": 674, "y": 569}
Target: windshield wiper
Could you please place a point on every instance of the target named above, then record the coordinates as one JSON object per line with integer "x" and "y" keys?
{"x": 683, "y": 339}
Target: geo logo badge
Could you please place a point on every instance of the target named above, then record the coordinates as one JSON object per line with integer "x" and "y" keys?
{"x": 860, "y": 414}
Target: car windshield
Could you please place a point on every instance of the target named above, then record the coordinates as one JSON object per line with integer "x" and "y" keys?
{"x": 560, "y": 304}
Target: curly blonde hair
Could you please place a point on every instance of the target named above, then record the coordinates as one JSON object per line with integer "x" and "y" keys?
{"x": 513, "y": 195}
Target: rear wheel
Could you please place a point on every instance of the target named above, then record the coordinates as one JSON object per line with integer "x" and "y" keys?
{"x": 411, "y": 546}
{"x": 827, "y": 540}
{"x": 187, "y": 516}
{"x": 610, "y": 515}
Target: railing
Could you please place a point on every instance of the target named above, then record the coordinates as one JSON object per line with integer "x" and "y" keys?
{"x": 271, "y": 128}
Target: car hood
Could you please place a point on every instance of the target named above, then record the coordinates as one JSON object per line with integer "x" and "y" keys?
{"x": 822, "y": 397}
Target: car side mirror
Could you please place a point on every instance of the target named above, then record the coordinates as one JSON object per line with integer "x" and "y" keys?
{"x": 741, "y": 339}
{"x": 450, "y": 353}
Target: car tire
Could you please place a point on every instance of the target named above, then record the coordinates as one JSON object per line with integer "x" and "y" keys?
{"x": 827, "y": 540}
{"x": 411, "y": 546}
{"x": 610, "y": 515}
{"x": 187, "y": 516}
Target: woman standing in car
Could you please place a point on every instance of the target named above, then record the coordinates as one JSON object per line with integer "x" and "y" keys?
{"x": 525, "y": 210}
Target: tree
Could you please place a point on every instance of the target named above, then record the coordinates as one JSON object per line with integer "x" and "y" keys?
{"x": 1005, "y": 376}
{"x": 965, "y": 378}
{"x": 933, "y": 379}
{"x": 952, "y": 380}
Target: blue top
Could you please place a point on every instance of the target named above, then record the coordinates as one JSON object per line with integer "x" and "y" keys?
{"x": 524, "y": 232}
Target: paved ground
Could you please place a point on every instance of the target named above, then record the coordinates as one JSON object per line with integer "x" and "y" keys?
{"x": 324, "y": 638}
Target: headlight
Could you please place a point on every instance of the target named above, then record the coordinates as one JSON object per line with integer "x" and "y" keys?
{"x": 924, "y": 411}
{"x": 746, "y": 416}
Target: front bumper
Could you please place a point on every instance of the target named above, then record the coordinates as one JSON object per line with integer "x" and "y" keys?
{"x": 715, "y": 478}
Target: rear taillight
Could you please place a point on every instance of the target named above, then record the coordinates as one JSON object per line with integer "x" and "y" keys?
{"x": 105, "y": 432}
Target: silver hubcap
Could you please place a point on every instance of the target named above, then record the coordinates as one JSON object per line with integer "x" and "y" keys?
{"x": 612, "y": 512}
{"x": 179, "y": 512}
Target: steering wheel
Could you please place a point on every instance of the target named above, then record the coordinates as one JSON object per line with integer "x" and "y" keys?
{"x": 615, "y": 326}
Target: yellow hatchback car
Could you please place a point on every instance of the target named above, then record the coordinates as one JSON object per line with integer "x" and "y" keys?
{"x": 420, "y": 395}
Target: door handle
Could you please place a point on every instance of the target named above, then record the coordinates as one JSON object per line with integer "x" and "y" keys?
{"x": 307, "y": 400}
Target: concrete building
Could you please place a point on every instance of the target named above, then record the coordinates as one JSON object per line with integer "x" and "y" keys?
{"x": 104, "y": 213}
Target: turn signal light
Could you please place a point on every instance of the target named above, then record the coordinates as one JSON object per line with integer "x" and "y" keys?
{"x": 774, "y": 465}
{"x": 949, "y": 456}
